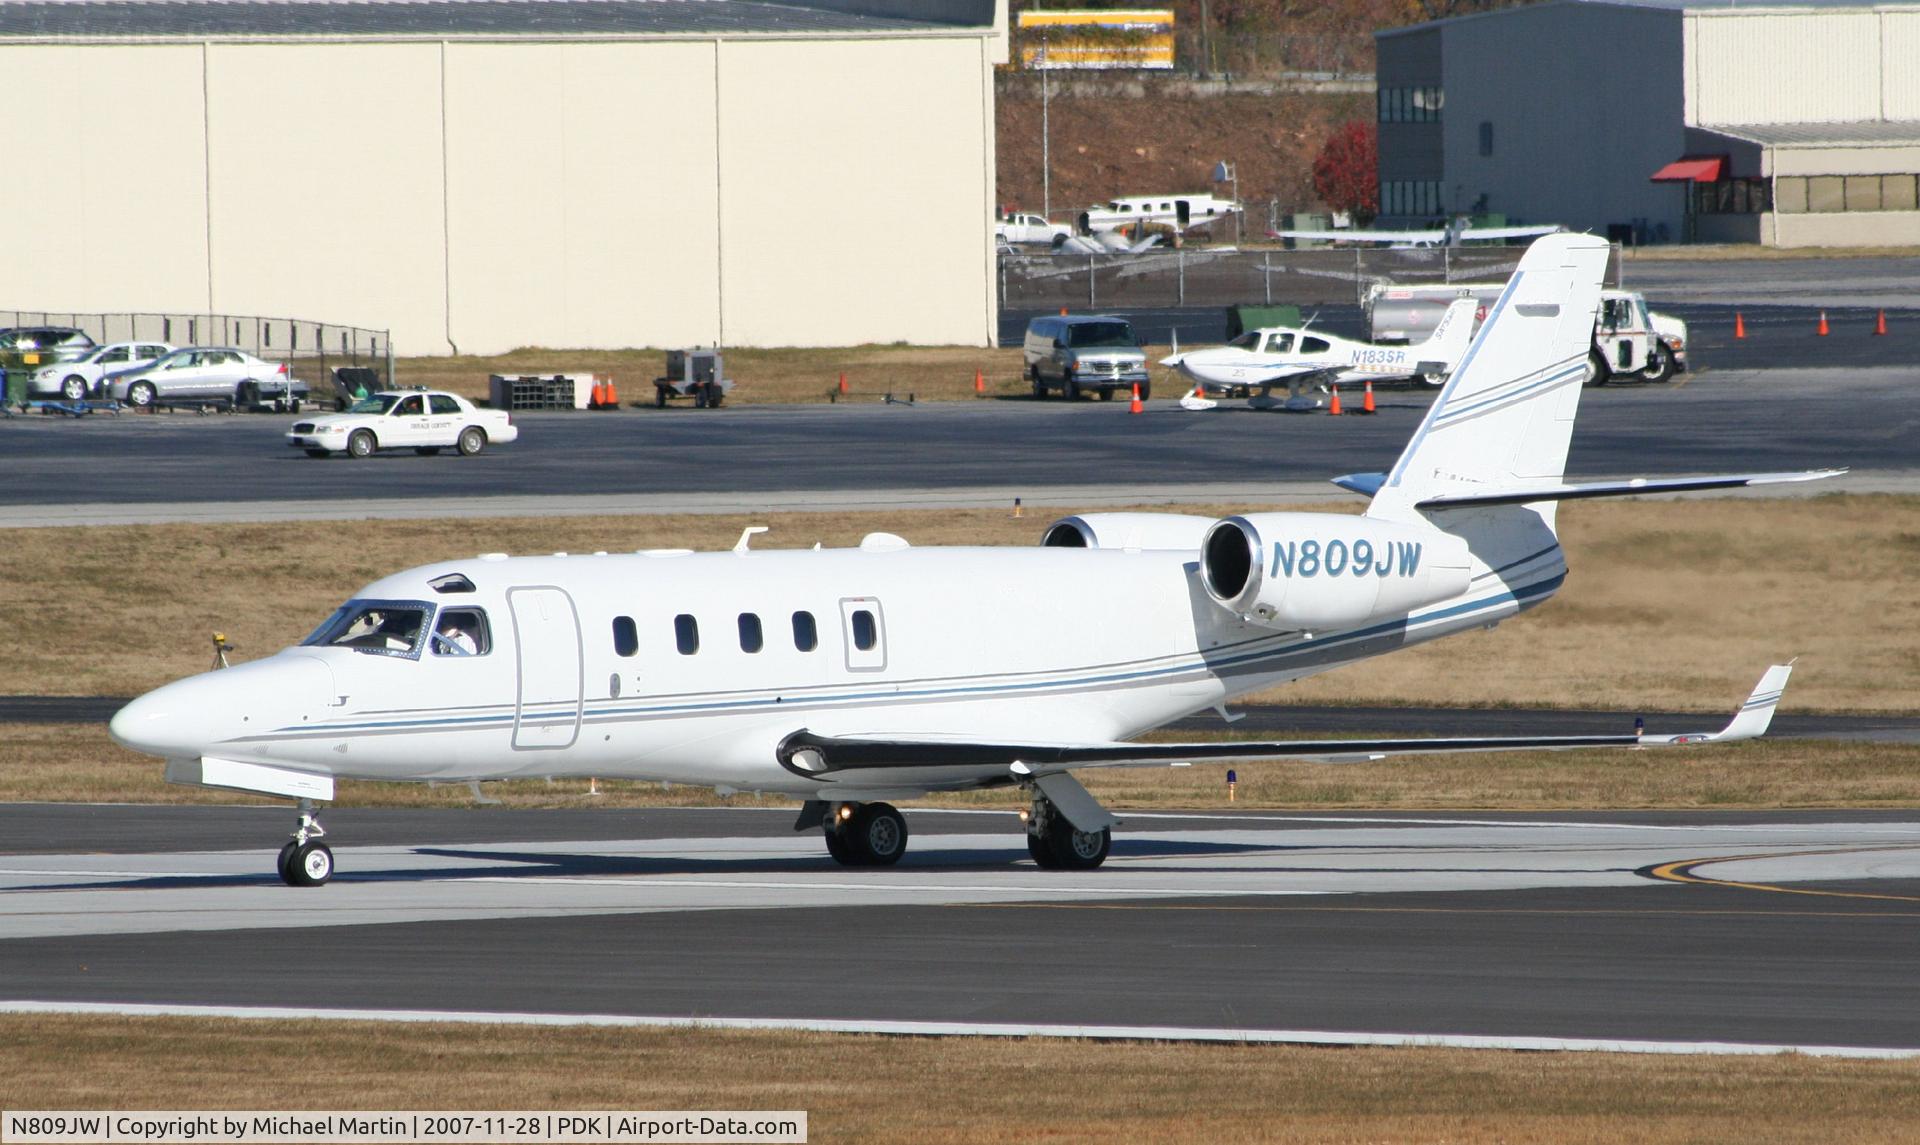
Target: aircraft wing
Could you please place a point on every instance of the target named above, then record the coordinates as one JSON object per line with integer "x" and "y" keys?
{"x": 821, "y": 756}
{"x": 1497, "y": 233}
{"x": 1364, "y": 236}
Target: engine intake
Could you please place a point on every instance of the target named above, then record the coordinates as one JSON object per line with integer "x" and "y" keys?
{"x": 1311, "y": 571}
{"x": 1128, "y": 531}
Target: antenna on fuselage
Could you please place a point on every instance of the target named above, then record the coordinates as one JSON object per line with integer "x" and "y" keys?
{"x": 746, "y": 537}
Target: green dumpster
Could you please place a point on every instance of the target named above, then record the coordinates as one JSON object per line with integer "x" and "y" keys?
{"x": 16, "y": 387}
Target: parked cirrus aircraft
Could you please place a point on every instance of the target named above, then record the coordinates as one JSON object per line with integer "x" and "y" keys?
{"x": 1262, "y": 359}
{"x": 847, "y": 678}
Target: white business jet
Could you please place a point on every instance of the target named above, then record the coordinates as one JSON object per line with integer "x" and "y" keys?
{"x": 1252, "y": 364}
{"x": 850, "y": 678}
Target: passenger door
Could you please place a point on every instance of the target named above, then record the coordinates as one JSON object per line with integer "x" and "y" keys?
{"x": 407, "y": 424}
{"x": 547, "y": 668}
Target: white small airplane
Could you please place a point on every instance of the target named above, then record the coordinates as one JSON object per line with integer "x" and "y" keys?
{"x": 1181, "y": 212}
{"x": 849, "y": 678}
{"x": 1455, "y": 233}
{"x": 1252, "y": 364}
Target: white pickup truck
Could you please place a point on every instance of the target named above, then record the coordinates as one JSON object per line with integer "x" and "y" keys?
{"x": 1027, "y": 228}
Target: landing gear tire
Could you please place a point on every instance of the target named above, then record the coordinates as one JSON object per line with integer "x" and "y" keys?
{"x": 1078, "y": 850}
{"x": 286, "y": 857}
{"x": 1659, "y": 365}
{"x": 1041, "y": 853}
{"x": 309, "y": 865}
{"x": 1597, "y": 371}
{"x": 875, "y": 835}
{"x": 1433, "y": 378}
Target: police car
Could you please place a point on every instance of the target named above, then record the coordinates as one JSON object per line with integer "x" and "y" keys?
{"x": 425, "y": 421}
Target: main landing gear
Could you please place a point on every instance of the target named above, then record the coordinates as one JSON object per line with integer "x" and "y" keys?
{"x": 865, "y": 834}
{"x": 1057, "y": 845}
{"x": 306, "y": 861}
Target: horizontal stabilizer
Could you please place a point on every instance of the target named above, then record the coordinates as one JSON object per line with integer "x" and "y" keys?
{"x": 1365, "y": 484}
{"x": 822, "y": 757}
{"x": 1561, "y": 491}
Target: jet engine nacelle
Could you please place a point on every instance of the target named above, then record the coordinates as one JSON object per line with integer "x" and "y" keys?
{"x": 1312, "y": 571}
{"x": 1128, "y": 531}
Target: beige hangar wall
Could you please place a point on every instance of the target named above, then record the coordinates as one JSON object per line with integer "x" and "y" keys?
{"x": 852, "y": 204}
{"x": 580, "y": 195}
{"x": 111, "y": 208}
{"x": 326, "y": 185}
{"x": 484, "y": 196}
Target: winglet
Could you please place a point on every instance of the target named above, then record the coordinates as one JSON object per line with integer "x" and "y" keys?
{"x": 1753, "y": 718}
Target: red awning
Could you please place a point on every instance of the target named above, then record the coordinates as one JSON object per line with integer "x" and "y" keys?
{"x": 1697, "y": 168}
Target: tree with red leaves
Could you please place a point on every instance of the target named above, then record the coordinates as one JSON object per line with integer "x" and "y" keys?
{"x": 1346, "y": 174}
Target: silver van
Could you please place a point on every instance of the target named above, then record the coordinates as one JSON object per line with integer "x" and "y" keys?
{"x": 1080, "y": 352}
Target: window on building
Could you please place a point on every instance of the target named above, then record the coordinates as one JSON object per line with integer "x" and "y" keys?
{"x": 1826, "y": 193}
{"x": 626, "y": 636}
{"x": 1486, "y": 138}
{"x": 1409, "y": 104}
{"x": 1733, "y": 197}
{"x": 806, "y": 636}
{"x": 750, "y": 638}
{"x": 1863, "y": 192}
{"x": 686, "y": 634}
{"x": 1897, "y": 193}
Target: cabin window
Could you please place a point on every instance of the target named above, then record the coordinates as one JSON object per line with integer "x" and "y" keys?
{"x": 461, "y": 632}
{"x": 376, "y": 627}
{"x": 626, "y": 636}
{"x": 750, "y": 638}
{"x": 1279, "y": 343}
{"x": 806, "y": 635}
{"x": 865, "y": 632}
{"x": 686, "y": 634}
{"x": 1314, "y": 345}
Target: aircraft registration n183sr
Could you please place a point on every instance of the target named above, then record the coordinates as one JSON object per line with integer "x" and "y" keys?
{"x": 848, "y": 678}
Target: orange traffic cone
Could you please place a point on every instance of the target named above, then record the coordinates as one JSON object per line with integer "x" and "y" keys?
{"x": 1822, "y": 331}
{"x": 1880, "y": 324}
{"x": 843, "y": 382}
{"x": 1334, "y": 409}
{"x": 979, "y": 383}
{"x": 1063, "y": 312}
{"x": 1136, "y": 407}
{"x": 613, "y": 395}
{"x": 1366, "y": 402}
{"x": 1739, "y": 325}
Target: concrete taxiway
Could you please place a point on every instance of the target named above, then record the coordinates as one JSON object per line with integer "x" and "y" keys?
{"x": 1793, "y": 929}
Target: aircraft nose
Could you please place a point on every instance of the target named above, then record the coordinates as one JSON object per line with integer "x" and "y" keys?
{"x": 190, "y": 718}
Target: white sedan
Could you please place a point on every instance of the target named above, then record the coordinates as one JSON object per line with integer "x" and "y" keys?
{"x": 425, "y": 421}
{"x": 80, "y": 377}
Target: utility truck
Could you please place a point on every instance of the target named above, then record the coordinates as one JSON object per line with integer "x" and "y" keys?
{"x": 1629, "y": 341}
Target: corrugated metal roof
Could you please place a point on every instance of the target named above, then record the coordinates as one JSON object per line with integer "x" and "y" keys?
{"x": 1861, "y": 133}
{"x": 195, "y": 18}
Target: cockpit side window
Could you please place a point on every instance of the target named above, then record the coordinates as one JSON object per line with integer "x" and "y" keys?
{"x": 376, "y": 627}
{"x": 462, "y": 632}
{"x": 1248, "y": 341}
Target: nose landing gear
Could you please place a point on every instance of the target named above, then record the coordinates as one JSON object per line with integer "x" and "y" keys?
{"x": 306, "y": 861}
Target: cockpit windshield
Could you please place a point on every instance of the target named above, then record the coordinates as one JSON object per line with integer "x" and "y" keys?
{"x": 1248, "y": 341}
{"x": 376, "y": 627}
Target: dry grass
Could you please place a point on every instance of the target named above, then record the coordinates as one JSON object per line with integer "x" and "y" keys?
{"x": 1730, "y": 252}
{"x": 865, "y": 1088}
{"x": 77, "y": 763}
{"x": 1670, "y": 604}
{"x": 930, "y": 373}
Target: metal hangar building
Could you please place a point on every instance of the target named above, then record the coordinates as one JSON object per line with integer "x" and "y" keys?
{"x": 1661, "y": 120}
{"x": 480, "y": 175}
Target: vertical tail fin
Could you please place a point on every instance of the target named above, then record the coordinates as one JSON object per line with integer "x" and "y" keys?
{"x": 1505, "y": 417}
{"x": 1448, "y": 342}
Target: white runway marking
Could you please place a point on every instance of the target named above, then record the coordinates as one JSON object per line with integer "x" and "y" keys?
{"x": 966, "y": 1029}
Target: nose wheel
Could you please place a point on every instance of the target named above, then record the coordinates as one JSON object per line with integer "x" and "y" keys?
{"x": 306, "y": 861}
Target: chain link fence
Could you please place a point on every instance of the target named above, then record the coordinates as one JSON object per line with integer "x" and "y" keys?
{"x": 1230, "y": 278}
{"x": 312, "y": 350}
